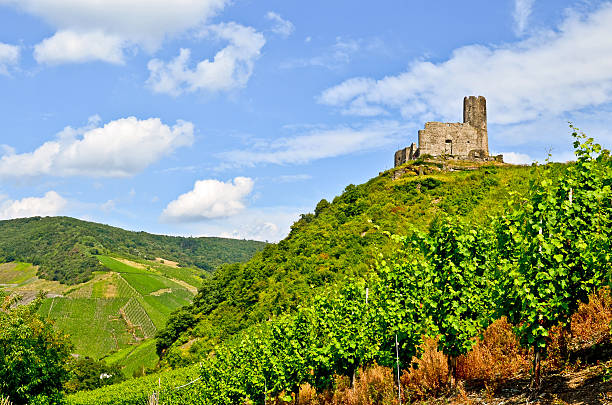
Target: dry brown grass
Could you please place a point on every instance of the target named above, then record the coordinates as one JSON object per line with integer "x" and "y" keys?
{"x": 429, "y": 377}
{"x": 497, "y": 356}
{"x": 591, "y": 323}
{"x": 589, "y": 326}
{"x": 374, "y": 385}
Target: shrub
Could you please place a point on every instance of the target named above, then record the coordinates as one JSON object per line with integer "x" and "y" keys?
{"x": 33, "y": 355}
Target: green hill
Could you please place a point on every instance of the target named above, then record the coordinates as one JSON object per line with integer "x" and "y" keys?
{"x": 340, "y": 239}
{"x": 114, "y": 315}
{"x": 111, "y": 290}
{"x": 65, "y": 249}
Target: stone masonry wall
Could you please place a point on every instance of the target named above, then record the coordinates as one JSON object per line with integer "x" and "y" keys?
{"x": 456, "y": 139}
{"x": 475, "y": 114}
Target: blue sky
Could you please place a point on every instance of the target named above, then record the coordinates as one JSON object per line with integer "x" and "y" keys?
{"x": 217, "y": 117}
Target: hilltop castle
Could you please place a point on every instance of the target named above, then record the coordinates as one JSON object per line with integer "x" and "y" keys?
{"x": 460, "y": 140}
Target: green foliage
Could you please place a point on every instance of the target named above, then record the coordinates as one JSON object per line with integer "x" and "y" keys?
{"x": 137, "y": 391}
{"x": 557, "y": 243}
{"x": 180, "y": 320}
{"x": 87, "y": 374}
{"x": 343, "y": 239}
{"x": 66, "y": 248}
{"x": 401, "y": 298}
{"x": 135, "y": 359}
{"x": 461, "y": 262}
{"x": 33, "y": 355}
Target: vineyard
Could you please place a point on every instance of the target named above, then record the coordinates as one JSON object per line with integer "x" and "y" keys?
{"x": 532, "y": 267}
{"x": 136, "y": 317}
{"x": 116, "y": 314}
{"x": 137, "y": 391}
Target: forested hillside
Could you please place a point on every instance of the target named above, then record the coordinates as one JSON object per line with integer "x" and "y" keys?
{"x": 340, "y": 239}
{"x": 65, "y": 248}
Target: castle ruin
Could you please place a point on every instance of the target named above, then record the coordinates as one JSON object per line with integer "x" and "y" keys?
{"x": 460, "y": 140}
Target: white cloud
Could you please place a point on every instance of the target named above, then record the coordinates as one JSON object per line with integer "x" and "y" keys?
{"x": 231, "y": 67}
{"x": 142, "y": 22}
{"x": 266, "y": 224}
{"x": 282, "y": 27}
{"x": 118, "y": 149}
{"x": 545, "y": 75}
{"x": 48, "y": 205}
{"x": 9, "y": 56}
{"x": 517, "y": 158}
{"x": 71, "y": 46}
{"x": 340, "y": 53}
{"x": 258, "y": 231}
{"x": 109, "y": 205}
{"x": 291, "y": 178}
{"x": 522, "y": 11}
{"x": 209, "y": 199}
{"x": 317, "y": 144}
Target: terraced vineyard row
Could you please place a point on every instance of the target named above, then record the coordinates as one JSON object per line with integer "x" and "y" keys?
{"x": 137, "y": 317}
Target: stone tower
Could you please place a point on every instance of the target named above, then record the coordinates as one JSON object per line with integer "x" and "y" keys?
{"x": 475, "y": 114}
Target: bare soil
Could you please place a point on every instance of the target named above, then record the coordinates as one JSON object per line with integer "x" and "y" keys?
{"x": 590, "y": 385}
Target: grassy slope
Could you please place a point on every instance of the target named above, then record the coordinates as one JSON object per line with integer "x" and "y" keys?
{"x": 65, "y": 248}
{"x": 138, "y": 390}
{"x": 89, "y": 312}
{"x": 341, "y": 239}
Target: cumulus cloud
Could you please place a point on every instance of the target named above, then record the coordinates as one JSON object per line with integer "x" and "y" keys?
{"x": 50, "y": 204}
{"x": 118, "y": 22}
{"x": 318, "y": 144}
{"x": 209, "y": 199}
{"x": 230, "y": 68}
{"x": 258, "y": 230}
{"x": 547, "y": 74}
{"x": 281, "y": 26}
{"x": 338, "y": 54}
{"x": 265, "y": 223}
{"x": 291, "y": 178}
{"x": 9, "y": 56}
{"x": 517, "y": 158}
{"x": 71, "y": 46}
{"x": 120, "y": 148}
{"x": 522, "y": 11}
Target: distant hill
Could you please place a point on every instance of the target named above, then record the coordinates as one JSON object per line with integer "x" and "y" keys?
{"x": 115, "y": 314}
{"x": 339, "y": 239}
{"x": 65, "y": 249}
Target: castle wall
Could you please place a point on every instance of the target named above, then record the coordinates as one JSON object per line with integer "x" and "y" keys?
{"x": 404, "y": 155}
{"x": 456, "y": 139}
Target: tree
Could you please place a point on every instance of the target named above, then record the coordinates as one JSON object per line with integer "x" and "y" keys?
{"x": 88, "y": 374}
{"x": 33, "y": 356}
